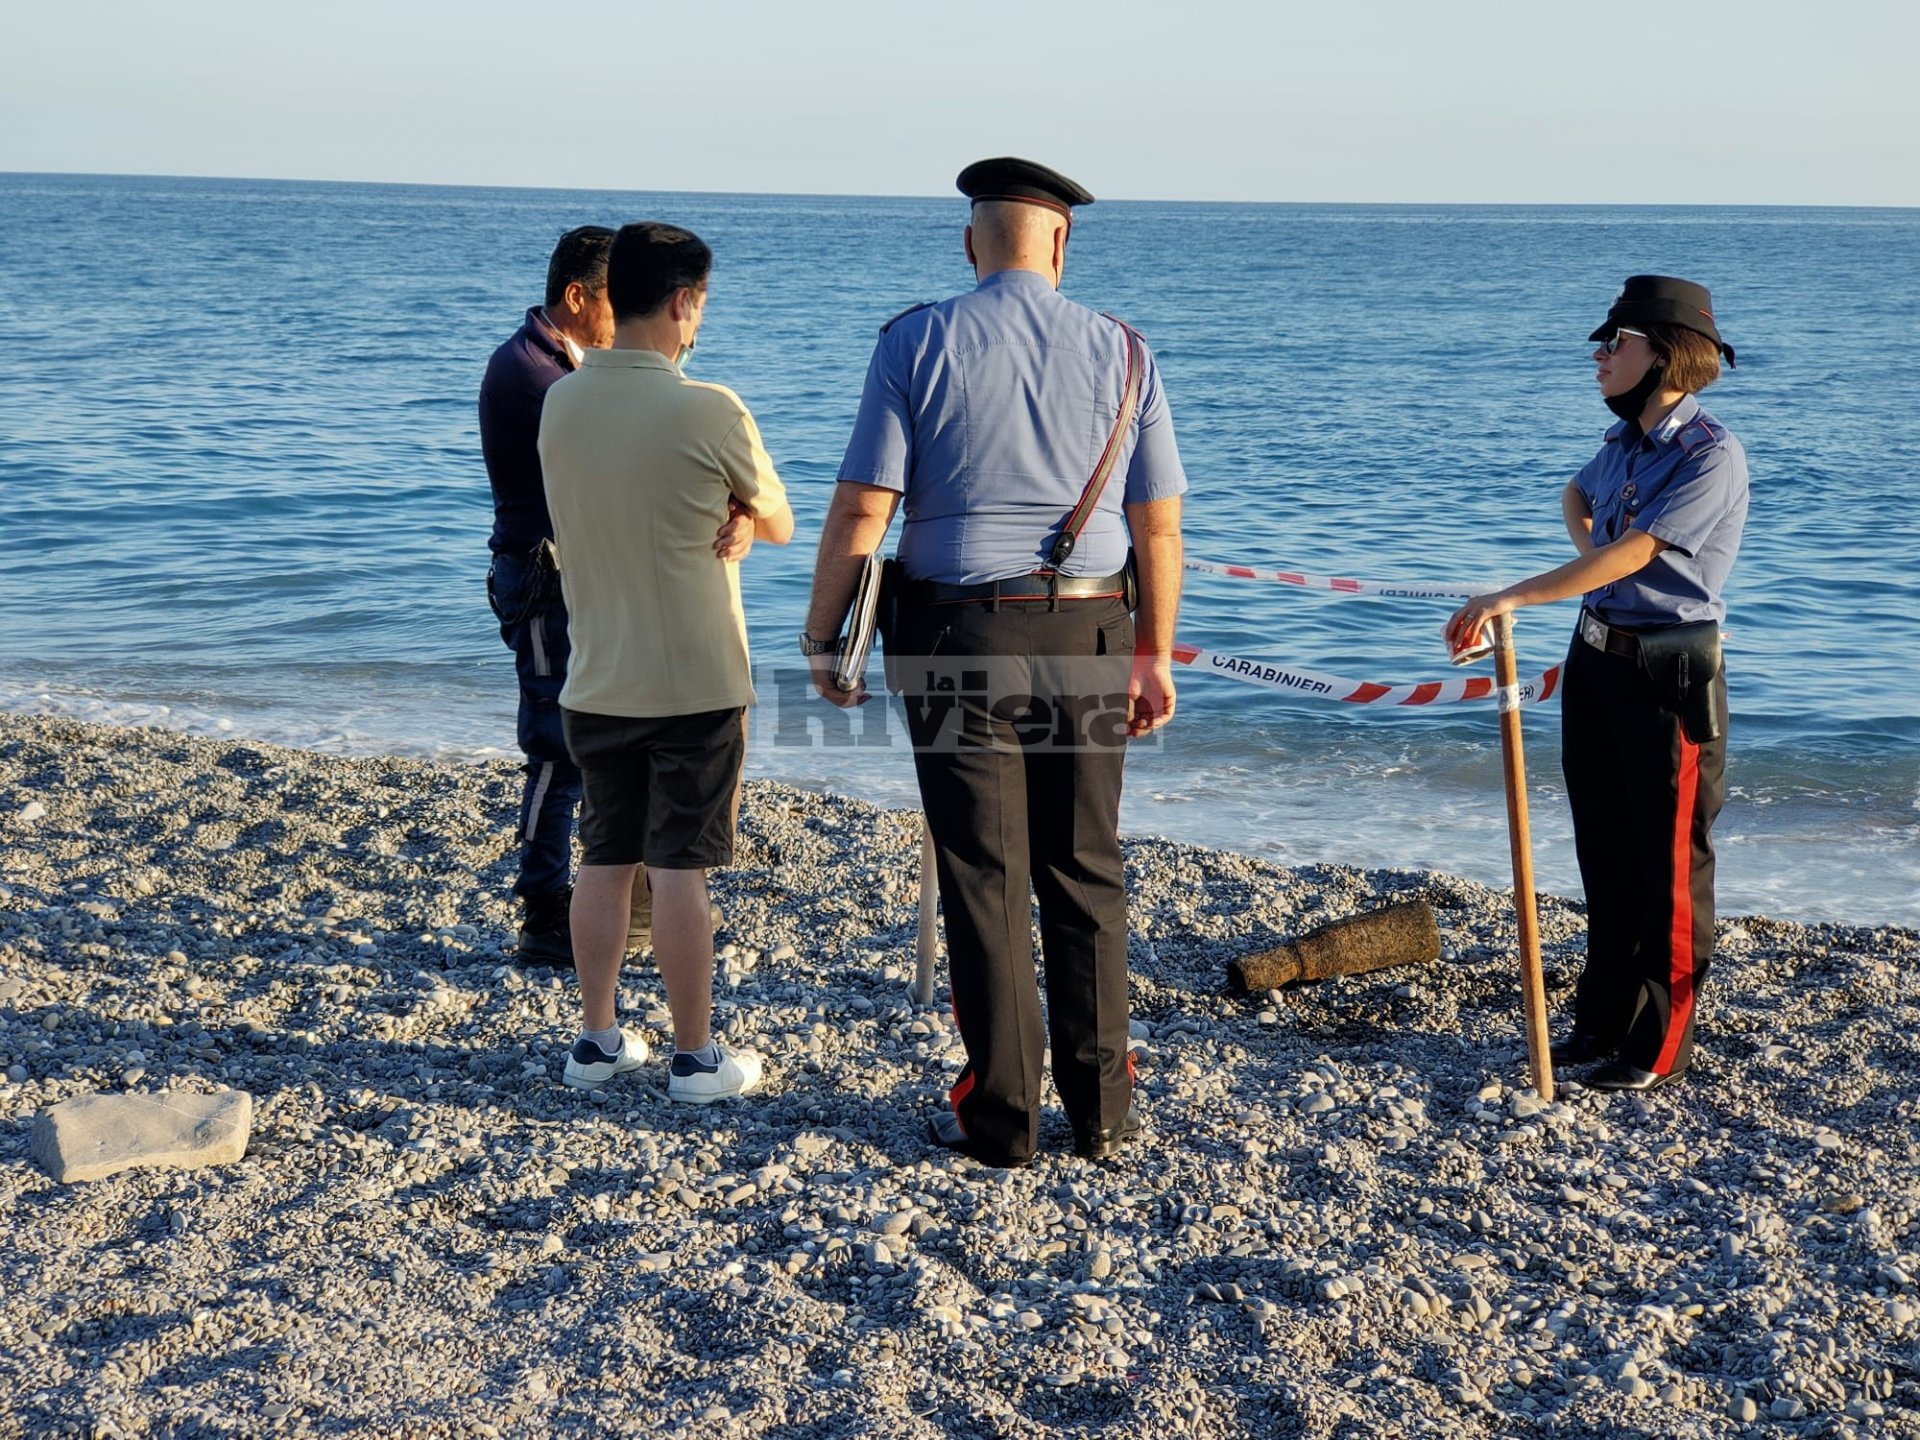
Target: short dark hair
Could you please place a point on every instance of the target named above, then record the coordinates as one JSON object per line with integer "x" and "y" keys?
{"x": 650, "y": 261}
{"x": 1693, "y": 361}
{"x": 581, "y": 256}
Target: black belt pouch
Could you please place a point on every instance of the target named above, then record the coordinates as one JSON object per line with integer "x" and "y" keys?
{"x": 1682, "y": 661}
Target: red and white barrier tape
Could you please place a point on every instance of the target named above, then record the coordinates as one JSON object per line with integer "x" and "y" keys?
{"x": 1398, "y": 589}
{"x": 1365, "y": 692}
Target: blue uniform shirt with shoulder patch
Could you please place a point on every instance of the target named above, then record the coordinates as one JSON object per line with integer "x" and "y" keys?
{"x": 1686, "y": 484}
{"x": 988, "y": 412}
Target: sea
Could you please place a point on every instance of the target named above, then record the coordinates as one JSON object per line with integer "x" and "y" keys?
{"x": 241, "y": 490}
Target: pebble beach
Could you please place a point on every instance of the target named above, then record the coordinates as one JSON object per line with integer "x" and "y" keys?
{"x": 1349, "y": 1216}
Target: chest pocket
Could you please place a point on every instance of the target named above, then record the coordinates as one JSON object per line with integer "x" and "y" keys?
{"x": 1615, "y": 511}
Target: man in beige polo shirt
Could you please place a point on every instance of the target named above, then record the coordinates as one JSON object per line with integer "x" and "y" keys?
{"x": 641, "y": 464}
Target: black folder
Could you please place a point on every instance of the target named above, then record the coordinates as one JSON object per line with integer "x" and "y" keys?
{"x": 850, "y": 664}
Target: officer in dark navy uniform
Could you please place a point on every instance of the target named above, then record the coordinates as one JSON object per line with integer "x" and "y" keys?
{"x": 988, "y": 418}
{"x": 1657, "y": 517}
{"x": 523, "y": 586}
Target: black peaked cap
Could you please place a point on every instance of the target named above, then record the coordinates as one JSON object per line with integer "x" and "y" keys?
{"x": 1663, "y": 300}
{"x": 1030, "y": 183}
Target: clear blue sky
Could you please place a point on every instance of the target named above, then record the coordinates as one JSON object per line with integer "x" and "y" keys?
{"x": 1735, "y": 101}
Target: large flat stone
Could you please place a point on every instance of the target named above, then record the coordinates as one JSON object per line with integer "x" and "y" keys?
{"x": 94, "y": 1136}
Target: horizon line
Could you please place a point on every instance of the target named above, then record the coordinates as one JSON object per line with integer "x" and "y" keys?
{"x": 853, "y": 195}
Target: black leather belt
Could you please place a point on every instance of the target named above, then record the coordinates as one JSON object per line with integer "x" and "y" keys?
{"x": 1610, "y": 639}
{"x": 1022, "y": 588}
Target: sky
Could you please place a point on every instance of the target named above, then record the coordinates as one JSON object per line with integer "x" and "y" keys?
{"x": 1433, "y": 101}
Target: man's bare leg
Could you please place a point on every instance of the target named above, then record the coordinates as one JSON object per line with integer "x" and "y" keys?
{"x": 602, "y": 901}
{"x": 683, "y": 949}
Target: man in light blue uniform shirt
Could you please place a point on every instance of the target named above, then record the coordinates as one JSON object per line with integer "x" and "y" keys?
{"x": 988, "y": 497}
{"x": 988, "y": 417}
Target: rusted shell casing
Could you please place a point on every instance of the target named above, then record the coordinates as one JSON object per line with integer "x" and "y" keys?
{"x": 1401, "y": 934}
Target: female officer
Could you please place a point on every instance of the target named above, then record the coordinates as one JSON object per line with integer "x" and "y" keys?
{"x": 1656, "y": 517}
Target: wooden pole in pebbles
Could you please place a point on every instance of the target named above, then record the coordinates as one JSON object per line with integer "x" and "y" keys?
{"x": 1533, "y": 987}
{"x": 928, "y": 937}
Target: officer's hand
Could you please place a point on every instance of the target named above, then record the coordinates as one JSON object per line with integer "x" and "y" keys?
{"x": 822, "y": 668}
{"x": 1150, "y": 694}
{"x": 734, "y": 539}
{"x": 1464, "y": 628}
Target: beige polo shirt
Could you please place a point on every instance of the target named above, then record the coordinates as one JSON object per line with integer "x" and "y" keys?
{"x": 638, "y": 462}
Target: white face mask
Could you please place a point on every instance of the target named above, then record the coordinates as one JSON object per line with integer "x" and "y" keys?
{"x": 686, "y": 353}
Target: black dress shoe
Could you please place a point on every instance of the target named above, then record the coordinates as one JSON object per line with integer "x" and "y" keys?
{"x": 1105, "y": 1144}
{"x": 1618, "y": 1075}
{"x": 546, "y": 936}
{"x": 944, "y": 1129}
{"x": 1580, "y": 1048}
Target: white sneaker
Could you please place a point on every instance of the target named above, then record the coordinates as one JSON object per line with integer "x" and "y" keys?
{"x": 589, "y": 1067}
{"x": 693, "y": 1083}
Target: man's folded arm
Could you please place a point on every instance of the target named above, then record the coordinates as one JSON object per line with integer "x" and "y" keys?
{"x": 750, "y": 475}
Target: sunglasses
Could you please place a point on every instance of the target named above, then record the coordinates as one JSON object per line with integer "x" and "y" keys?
{"x": 1612, "y": 343}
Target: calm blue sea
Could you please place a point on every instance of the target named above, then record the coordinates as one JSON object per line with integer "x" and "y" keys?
{"x": 241, "y": 491}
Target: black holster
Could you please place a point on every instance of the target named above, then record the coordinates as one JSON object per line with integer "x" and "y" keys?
{"x": 1682, "y": 662}
{"x": 537, "y": 572}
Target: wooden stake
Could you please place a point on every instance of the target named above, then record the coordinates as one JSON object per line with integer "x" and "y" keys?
{"x": 1533, "y": 988}
{"x": 928, "y": 937}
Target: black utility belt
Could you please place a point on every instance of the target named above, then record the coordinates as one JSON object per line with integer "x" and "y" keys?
{"x": 1022, "y": 589}
{"x": 1682, "y": 661}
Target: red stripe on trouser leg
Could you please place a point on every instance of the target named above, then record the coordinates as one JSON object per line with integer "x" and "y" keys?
{"x": 1680, "y": 941}
{"x": 962, "y": 1088}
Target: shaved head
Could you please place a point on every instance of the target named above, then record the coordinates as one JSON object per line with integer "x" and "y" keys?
{"x": 1009, "y": 225}
{"x": 1009, "y": 235}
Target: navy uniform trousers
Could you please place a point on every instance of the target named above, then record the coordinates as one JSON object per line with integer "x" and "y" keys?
{"x": 1012, "y": 821}
{"x": 525, "y": 596}
{"x": 1644, "y": 798}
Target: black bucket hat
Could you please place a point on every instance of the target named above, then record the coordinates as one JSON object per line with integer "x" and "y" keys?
{"x": 1663, "y": 300}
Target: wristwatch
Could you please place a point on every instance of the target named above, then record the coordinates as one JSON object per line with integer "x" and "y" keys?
{"x": 811, "y": 647}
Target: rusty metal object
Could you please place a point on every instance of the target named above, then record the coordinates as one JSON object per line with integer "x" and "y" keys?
{"x": 1401, "y": 934}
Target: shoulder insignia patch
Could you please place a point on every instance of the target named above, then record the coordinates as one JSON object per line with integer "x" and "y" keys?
{"x": 903, "y": 315}
{"x": 1700, "y": 432}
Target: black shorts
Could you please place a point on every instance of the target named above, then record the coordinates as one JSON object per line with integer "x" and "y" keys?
{"x": 662, "y": 791}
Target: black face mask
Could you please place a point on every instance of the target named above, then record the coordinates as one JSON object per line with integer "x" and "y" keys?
{"x": 1630, "y": 403}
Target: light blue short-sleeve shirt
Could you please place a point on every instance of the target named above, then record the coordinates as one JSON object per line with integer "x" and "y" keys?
{"x": 1686, "y": 484}
{"x": 988, "y": 412}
